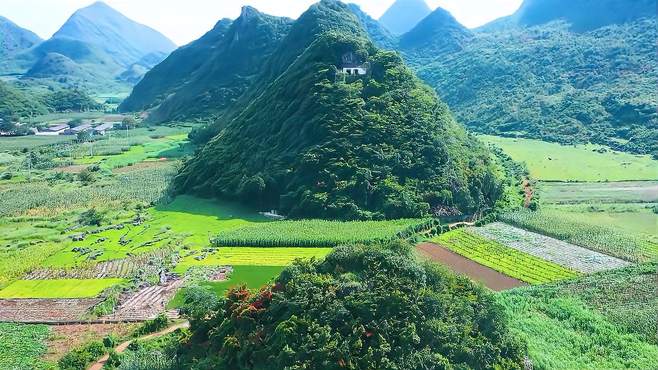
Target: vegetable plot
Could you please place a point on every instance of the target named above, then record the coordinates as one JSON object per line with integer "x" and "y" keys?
{"x": 506, "y": 260}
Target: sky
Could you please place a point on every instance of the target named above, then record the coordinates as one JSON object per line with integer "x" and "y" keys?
{"x": 186, "y": 20}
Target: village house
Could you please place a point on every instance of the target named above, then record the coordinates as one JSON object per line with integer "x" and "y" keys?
{"x": 353, "y": 65}
{"x": 54, "y": 130}
{"x": 103, "y": 128}
{"x": 78, "y": 129}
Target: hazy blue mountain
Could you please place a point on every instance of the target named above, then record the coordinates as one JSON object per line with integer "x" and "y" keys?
{"x": 203, "y": 78}
{"x": 381, "y": 36}
{"x": 404, "y": 15}
{"x": 14, "y": 40}
{"x": 125, "y": 40}
{"x": 582, "y": 15}
{"x": 438, "y": 33}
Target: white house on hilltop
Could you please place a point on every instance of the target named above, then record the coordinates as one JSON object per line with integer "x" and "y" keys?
{"x": 353, "y": 65}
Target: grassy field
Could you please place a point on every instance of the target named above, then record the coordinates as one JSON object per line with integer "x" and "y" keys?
{"x": 21, "y": 346}
{"x": 253, "y": 277}
{"x": 580, "y": 231}
{"x": 508, "y": 261}
{"x": 600, "y": 321}
{"x": 246, "y": 256}
{"x": 599, "y": 193}
{"x": 31, "y": 142}
{"x": 64, "y": 288}
{"x": 638, "y": 220}
{"x": 313, "y": 233}
{"x": 555, "y": 162}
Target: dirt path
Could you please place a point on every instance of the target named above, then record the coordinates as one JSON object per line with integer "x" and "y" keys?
{"x": 123, "y": 346}
{"x": 491, "y": 278}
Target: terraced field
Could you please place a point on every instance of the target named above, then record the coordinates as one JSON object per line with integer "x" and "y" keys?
{"x": 564, "y": 254}
{"x": 508, "y": 261}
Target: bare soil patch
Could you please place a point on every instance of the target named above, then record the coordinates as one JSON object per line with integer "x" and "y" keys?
{"x": 492, "y": 279}
{"x": 64, "y": 338}
{"x": 45, "y": 310}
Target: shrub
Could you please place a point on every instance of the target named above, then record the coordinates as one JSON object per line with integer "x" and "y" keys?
{"x": 80, "y": 358}
{"x": 91, "y": 217}
{"x": 152, "y": 326}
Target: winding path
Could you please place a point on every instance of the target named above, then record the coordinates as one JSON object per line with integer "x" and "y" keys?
{"x": 98, "y": 365}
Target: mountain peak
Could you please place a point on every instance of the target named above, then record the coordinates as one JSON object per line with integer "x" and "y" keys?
{"x": 438, "y": 33}
{"x": 123, "y": 39}
{"x": 404, "y": 15}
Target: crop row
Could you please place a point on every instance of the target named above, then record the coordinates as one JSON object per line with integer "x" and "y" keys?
{"x": 21, "y": 346}
{"x": 317, "y": 233}
{"x": 506, "y": 260}
{"x": 148, "y": 185}
{"x": 550, "y": 249}
{"x": 596, "y": 237}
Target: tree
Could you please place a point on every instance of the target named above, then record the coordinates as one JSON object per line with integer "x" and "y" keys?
{"x": 128, "y": 123}
{"x": 361, "y": 308}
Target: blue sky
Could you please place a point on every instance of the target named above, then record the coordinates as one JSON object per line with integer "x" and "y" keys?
{"x": 186, "y": 20}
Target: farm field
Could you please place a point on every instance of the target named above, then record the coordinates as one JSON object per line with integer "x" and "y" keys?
{"x": 508, "y": 261}
{"x": 599, "y": 193}
{"x": 63, "y": 288}
{"x": 576, "y": 231}
{"x": 555, "y": 162}
{"x": 313, "y": 233}
{"x": 249, "y": 256}
{"x": 253, "y": 277}
{"x": 603, "y": 321}
{"x": 22, "y": 346}
{"x": 564, "y": 254}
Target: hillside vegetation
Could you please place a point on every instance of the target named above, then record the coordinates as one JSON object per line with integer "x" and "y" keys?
{"x": 361, "y": 308}
{"x": 313, "y": 142}
{"x": 202, "y": 79}
{"x": 550, "y": 75}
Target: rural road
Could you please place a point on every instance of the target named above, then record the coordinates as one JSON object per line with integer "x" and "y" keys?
{"x": 98, "y": 365}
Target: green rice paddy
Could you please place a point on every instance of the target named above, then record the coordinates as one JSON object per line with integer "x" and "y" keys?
{"x": 61, "y": 288}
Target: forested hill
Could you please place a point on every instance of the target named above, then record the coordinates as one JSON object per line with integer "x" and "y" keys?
{"x": 382, "y": 37}
{"x": 202, "y": 79}
{"x": 437, "y": 34}
{"x": 13, "y": 40}
{"x": 556, "y": 78}
{"x": 311, "y": 141}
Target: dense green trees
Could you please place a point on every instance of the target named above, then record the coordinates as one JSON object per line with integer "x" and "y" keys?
{"x": 313, "y": 142}
{"x": 538, "y": 77}
{"x": 362, "y": 308}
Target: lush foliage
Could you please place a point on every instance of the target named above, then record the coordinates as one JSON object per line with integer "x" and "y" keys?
{"x": 15, "y": 104}
{"x": 600, "y": 238}
{"x": 511, "y": 262}
{"x": 202, "y": 79}
{"x": 81, "y": 357}
{"x": 316, "y": 143}
{"x": 602, "y": 321}
{"x": 21, "y": 346}
{"x": 548, "y": 82}
{"x": 363, "y": 307}
{"x": 314, "y": 233}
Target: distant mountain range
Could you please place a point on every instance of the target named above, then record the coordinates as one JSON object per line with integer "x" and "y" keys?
{"x": 13, "y": 41}
{"x": 96, "y": 48}
{"x": 404, "y": 15}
